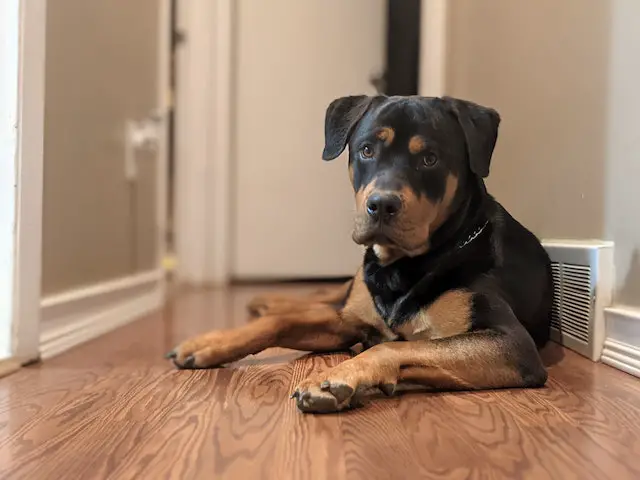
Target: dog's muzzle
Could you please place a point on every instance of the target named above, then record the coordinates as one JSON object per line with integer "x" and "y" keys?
{"x": 383, "y": 207}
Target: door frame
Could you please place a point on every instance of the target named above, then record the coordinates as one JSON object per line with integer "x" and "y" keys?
{"x": 27, "y": 267}
{"x": 433, "y": 48}
{"x": 203, "y": 133}
{"x": 204, "y": 148}
{"x": 29, "y": 181}
{"x": 164, "y": 104}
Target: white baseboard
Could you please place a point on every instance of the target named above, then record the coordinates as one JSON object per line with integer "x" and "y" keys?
{"x": 621, "y": 356}
{"x": 75, "y": 317}
{"x": 622, "y": 345}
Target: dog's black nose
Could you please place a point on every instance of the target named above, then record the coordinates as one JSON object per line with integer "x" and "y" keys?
{"x": 383, "y": 205}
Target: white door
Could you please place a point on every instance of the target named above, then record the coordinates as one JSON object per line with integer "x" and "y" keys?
{"x": 293, "y": 212}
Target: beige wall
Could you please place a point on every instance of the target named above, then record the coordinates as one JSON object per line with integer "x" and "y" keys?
{"x": 622, "y": 176}
{"x": 543, "y": 65}
{"x": 563, "y": 74}
{"x": 101, "y": 70}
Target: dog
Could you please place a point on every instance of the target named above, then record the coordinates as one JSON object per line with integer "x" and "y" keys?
{"x": 453, "y": 293}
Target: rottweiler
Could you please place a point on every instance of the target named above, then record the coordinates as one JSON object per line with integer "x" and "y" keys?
{"x": 453, "y": 293}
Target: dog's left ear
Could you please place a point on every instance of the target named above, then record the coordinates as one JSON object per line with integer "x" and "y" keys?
{"x": 480, "y": 127}
{"x": 342, "y": 116}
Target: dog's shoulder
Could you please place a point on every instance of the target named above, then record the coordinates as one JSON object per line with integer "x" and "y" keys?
{"x": 522, "y": 273}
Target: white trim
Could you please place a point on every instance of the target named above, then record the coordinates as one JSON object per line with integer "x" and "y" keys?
{"x": 9, "y": 66}
{"x": 29, "y": 163}
{"x": 99, "y": 290}
{"x": 622, "y": 356}
{"x": 192, "y": 130}
{"x": 577, "y": 243}
{"x": 203, "y": 136}
{"x": 433, "y": 48}
{"x": 74, "y": 317}
{"x": 622, "y": 345}
{"x": 163, "y": 101}
{"x": 623, "y": 311}
{"x": 219, "y": 266}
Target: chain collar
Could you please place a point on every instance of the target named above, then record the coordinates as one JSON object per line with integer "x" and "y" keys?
{"x": 475, "y": 234}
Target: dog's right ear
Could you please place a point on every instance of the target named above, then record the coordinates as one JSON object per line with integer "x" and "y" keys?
{"x": 342, "y": 116}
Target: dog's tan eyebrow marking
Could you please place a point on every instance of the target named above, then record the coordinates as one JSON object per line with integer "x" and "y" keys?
{"x": 417, "y": 144}
{"x": 386, "y": 134}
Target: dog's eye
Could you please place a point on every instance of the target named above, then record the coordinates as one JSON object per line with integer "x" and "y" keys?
{"x": 366, "y": 152}
{"x": 429, "y": 160}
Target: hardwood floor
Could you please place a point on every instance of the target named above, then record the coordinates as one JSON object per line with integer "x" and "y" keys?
{"x": 114, "y": 408}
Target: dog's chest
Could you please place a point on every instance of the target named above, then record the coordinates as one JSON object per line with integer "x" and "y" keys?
{"x": 403, "y": 292}
{"x": 397, "y": 293}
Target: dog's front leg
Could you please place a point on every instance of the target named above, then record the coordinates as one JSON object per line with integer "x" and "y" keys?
{"x": 319, "y": 329}
{"x": 470, "y": 361}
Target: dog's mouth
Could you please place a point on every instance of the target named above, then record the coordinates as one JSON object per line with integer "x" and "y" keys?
{"x": 389, "y": 237}
{"x": 372, "y": 236}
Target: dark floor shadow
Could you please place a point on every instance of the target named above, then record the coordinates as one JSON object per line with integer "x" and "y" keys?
{"x": 552, "y": 354}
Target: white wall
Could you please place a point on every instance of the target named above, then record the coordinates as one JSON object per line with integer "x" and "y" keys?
{"x": 622, "y": 169}
{"x": 9, "y": 22}
{"x": 564, "y": 75}
{"x": 543, "y": 65}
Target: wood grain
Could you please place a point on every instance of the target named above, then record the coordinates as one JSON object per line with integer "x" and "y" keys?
{"x": 114, "y": 408}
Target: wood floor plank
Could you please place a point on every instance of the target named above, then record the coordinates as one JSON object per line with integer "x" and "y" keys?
{"x": 114, "y": 408}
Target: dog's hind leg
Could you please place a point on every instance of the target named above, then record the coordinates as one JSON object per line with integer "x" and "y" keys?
{"x": 278, "y": 304}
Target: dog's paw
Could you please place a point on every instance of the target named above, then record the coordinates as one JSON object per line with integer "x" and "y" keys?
{"x": 324, "y": 396}
{"x": 344, "y": 386}
{"x": 205, "y": 351}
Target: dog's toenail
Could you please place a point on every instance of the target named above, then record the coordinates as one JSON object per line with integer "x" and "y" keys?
{"x": 294, "y": 394}
{"x": 388, "y": 389}
{"x": 325, "y": 385}
{"x": 171, "y": 354}
{"x": 342, "y": 392}
{"x": 189, "y": 362}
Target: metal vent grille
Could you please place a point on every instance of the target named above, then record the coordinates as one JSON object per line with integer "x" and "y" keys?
{"x": 582, "y": 279}
{"x": 573, "y": 300}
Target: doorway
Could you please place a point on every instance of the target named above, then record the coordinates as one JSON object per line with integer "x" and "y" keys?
{"x": 238, "y": 214}
{"x": 403, "y": 48}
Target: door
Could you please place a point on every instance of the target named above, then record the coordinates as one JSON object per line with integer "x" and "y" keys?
{"x": 103, "y": 150}
{"x": 293, "y": 212}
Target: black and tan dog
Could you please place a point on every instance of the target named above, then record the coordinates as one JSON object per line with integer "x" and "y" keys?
{"x": 453, "y": 292}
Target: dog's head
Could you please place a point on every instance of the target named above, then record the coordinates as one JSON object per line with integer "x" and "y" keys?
{"x": 412, "y": 161}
